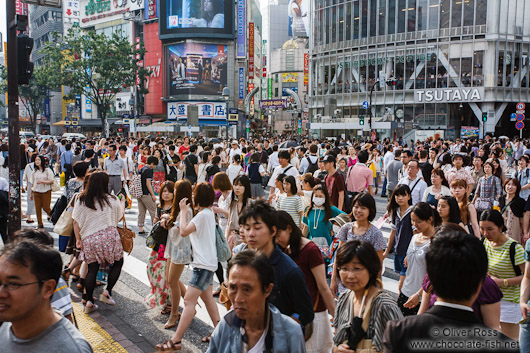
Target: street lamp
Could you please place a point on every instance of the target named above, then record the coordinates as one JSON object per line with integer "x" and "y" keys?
{"x": 226, "y": 96}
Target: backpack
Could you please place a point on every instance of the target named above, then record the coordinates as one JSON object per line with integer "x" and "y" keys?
{"x": 136, "y": 186}
{"x": 516, "y": 268}
{"x": 313, "y": 167}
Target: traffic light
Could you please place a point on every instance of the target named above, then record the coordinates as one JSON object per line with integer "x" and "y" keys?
{"x": 361, "y": 120}
{"x": 484, "y": 117}
{"x": 25, "y": 66}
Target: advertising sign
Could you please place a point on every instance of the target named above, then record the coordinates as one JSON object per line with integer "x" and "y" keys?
{"x": 269, "y": 88}
{"x": 298, "y": 12}
{"x": 71, "y": 11}
{"x": 241, "y": 29}
{"x": 196, "y": 18}
{"x": 197, "y": 68}
{"x": 290, "y": 77}
{"x": 98, "y": 11}
{"x": 241, "y": 87}
{"x": 272, "y": 103}
{"x": 306, "y": 69}
{"x": 153, "y": 62}
{"x": 151, "y": 10}
{"x": 207, "y": 111}
{"x": 469, "y": 131}
{"x": 251, "y": 50}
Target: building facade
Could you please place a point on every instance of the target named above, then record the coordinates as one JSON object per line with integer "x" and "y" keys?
{"x": 423, "y": 64}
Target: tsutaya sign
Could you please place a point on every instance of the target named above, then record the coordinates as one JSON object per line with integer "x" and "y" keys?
{"x": 449, "y": 95}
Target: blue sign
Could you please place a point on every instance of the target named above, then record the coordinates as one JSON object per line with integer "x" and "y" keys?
{"x": 241, "y": 29}
{"x": 519, "y": 125}
{"x": 47, "y": 113}
{"x": 241, "y": 83}
{"x": 365, "y": 105}
{"x": 172, "y": 111}
{"x": 519, "y": 117}
{"x": 512, "y": 117}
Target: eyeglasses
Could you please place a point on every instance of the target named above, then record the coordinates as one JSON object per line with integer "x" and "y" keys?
{"x": 14, "y": 286}
{"x": 355, "y": 270}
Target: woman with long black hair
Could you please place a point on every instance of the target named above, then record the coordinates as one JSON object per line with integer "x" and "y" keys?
{"x": 96, "y": 215}
{"x": 41, "y": 188}
{"x": 241, "y": 198}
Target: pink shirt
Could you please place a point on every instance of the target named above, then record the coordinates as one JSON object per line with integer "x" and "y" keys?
{"x": 359, "y": 177}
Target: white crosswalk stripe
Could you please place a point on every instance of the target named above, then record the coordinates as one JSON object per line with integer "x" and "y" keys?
{"x": 137, "y": 267}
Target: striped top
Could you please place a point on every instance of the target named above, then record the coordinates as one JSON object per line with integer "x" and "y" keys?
{"x": 500, "y": 266}
{"x": 61, "y": 299}
{"x": 291, "y": 205}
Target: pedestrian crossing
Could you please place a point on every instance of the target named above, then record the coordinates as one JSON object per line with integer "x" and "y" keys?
{"x": 136, "y": 267}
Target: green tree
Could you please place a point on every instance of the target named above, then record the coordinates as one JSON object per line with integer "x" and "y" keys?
{"x": 97, "y": 66}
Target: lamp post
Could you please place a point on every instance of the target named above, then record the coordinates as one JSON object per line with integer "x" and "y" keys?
{"x": 226, "y": 96}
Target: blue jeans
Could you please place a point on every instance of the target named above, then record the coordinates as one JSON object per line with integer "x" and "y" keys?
{"x": 524, "y": 338}
{"x": 201, "y": 279}
{"x": 384, "y": 187}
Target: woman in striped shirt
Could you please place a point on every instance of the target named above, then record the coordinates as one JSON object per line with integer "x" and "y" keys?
{"x": 290, "y": 202}
{"x": 506, "y": 268}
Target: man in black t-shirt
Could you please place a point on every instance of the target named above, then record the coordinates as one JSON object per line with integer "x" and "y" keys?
{"x": 148, "y": 200}
{"x": 191, "y": 165}
{"x": 172, "y": 164}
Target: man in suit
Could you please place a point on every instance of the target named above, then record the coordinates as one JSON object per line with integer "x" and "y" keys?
{"x": 450, "y": 325}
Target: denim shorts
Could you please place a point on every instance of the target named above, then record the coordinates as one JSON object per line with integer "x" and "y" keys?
{"x": 201, "y": 279}
{"x": 399, "y": 266}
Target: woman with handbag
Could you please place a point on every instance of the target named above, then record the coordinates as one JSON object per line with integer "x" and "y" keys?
{"x": 512, "y": 210}
{"x": 41, "y": 188}
{"x": 178, "y": 249}
{"x": 202, "y": 232}
{"x": 96, "y": 215}
{"x": 362, "y": 310}
{"x": 307, "y": 255}
{"x": 156, "y": 264}
{"x": 488, "y": 190}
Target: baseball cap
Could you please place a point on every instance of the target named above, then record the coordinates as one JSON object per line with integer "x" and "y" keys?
{"x": 329, "y": 159}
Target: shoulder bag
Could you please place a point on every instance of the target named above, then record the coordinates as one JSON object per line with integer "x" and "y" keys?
{"x": 221, "y": 245}
{"x": 65, "y": 223}
{"x": 126, "y": 236}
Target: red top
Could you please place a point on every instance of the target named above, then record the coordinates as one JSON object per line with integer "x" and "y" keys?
{"x": 183, "y": 149}
{"x": 308, "y": 258}
{"x": 335, "y": 184}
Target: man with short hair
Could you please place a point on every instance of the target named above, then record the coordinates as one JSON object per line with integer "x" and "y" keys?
{"x": 172, "y": 164}
{"x": 425, "y": 167}
{"x": 334, "y": 182}
{"x": 414, "y": 181}
{"x": 406, "y": 157}
{"x": 184, "y": 148}
{"x": 477, "y": 172}
{"x": 273, "y": 159}
{"x": 289, "y": 294}
{"x": 65, "y": 162}
{"x": 29, "y": 273}
{"x": 116, "y": 169}
{"x": 387, "y": 158}
{"x": 450, "y": 325}
{"x": 128, "y": 163}
{"x": 284, "y": 168}
{"x": 360, "y": 177}
{"x": 309, "y": 164}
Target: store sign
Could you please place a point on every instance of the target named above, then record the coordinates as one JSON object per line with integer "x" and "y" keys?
{"x": 400, "y": 59}
{"x": 241, "y": 83}
{"x": 449, "y": 95}
{"x": 251, "y": 50}
{"x": 306, "y": 69}
{"x": 150, "y": 11}
{"x": 272, "y": 103}
{"x": 290, "y": 77}
{"x": 100, "y": 10}
{"x": 241, "y": 29}
{"x": 207, "y": 110}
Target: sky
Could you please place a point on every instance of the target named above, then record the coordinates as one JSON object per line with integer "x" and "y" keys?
{"x": 3, "y": 26}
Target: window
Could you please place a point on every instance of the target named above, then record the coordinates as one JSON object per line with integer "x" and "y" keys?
{"x": 423, "y": 9}
{"x": 392, "y": 17}
{"x": 456, "y": 13}
{"x": 445, "y": 7}
{"x": 434, "y": 9}
{"x": 480, "y": 14}
{"x": 364, "y": 16}
{"x": 402, "y": 11}
{"x": 382, "y": 12}
{"x": 356, "y": 20}
{"x": 411, "y": 16}
{"x": 469, "y": 7}
{"x": 348, "y": 20}
{"x": 373, "y": 18}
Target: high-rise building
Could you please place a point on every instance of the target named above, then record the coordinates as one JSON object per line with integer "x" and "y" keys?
{"x": 426, "y": 66}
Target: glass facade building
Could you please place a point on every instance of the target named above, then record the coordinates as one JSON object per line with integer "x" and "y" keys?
{"x": 425, "y": 64}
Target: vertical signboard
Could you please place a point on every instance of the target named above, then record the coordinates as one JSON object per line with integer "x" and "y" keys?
{"x": 269, "y": 88}
{"x": 241, "y": 83}
{"x": 150, "y": 10}
{"x": 251, "y": 50}
{"x": 306, "y": 69}
{"x": 250, "y": 88}
{"x": 241, "y": 29}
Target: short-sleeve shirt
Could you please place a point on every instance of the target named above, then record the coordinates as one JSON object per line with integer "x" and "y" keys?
{"x": 500, "y": 266}
{"x": 315, "y": 222}
{"x": 61, "y": 299}
{"x": 114, "y": 167}
{"x": 146, "y": 173}
{"x": 61, "y": 337}
{"x": 309, "y": 258}
{"x": 372, "y": 235}
{"x": 359, "y": 177}
{"x": 335, "y": 184}
{"x": 190, "y": 161}
{"x": 403, "y": 227}
{"x": 291, "y": 205}
{"x": 203, "y": 241}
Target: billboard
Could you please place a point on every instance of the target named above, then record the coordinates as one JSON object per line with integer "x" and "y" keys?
{"x": 197, "y": 68}
{"x": 196, "y": 18}
{"x": 290, "y": 77}
{"x": 209, "y": 112}
{"x": 241, "y": 29}
{"x": 298, "y": 11}
{"x": 153, "y": 62}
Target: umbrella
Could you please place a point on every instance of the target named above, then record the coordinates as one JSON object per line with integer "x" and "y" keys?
{"x": 504, "y": 137}
{"x": 287, "y": 144}
{"x": 215, "y": 140}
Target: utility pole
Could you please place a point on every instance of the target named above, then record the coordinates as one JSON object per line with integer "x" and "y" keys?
{"x": 14, "y": 217}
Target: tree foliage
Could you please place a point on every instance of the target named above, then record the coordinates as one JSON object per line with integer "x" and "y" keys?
{"x": 97, "y": 66}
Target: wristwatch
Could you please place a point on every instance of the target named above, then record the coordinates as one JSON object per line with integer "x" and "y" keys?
{"x": 505, "y": 282}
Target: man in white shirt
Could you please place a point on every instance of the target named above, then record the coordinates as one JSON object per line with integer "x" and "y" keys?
{"x": 309, "y": 160}
{"x": 389, "y": 157}
{"x": 128, "y": 163}
{"x": 285, "y": 168}
{"x": 273, "y": 159}
{"x": 234, "y": 150}
{"x": 416, "y": 184}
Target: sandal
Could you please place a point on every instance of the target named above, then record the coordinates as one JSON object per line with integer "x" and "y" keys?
{"x": 206, "y": 339}
{"x": 29, "y": 221}
{"x": 166, "y": 310}
{"x": 172, "y": 321}
{"x": 169, "y": 345}
{"x": 106, "y": 298}
{"x": 66, "y": 274}
{"x": 90, "y": 309}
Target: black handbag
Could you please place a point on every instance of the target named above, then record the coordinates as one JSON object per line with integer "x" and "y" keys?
{"x": 58, "y": 208}
{"x": 158, "y": 234}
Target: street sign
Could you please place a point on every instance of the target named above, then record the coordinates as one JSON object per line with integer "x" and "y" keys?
{"x": 74, "y": 123}
{"x": 519, "y": 125}
{"x": 520, "y": 106}
{"x": 519, "y": 117}
{"x": 126, "y": 121}
{"x": 365, "y": 105}
{"x": 519, "y": 111}
{"x": 67, "y": 123}
{"x": 513, "y": 117}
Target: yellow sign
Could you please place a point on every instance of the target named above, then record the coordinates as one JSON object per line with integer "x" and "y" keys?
{"x": 232, "y": 117}
{"x": 290, "y": 77}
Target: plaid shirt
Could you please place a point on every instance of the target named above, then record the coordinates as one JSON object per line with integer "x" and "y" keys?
{"x": 489, "y": 187}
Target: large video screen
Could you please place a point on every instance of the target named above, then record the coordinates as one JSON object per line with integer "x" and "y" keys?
{"x": 298, "y": 18}
{"x": 196, "y": 18}
{"x": 197, "y": 68}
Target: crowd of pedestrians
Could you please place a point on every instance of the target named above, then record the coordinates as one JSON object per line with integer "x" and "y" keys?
{"x": 308, "y": 251}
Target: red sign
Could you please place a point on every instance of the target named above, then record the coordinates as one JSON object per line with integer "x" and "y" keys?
{"x": 153, "y": 61}
{"x": 264, "y": 70}
{"x": 520, "y": 106}
{"x": 251, "y": 50}
{"x": 250, "y": 88}
{"x": 151, "y": 8}
{"x": 306, "y": 69}
{"x": 21, "y": 8}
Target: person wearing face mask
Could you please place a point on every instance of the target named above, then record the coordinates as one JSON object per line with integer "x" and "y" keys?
{"x": 315, "y": 220}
